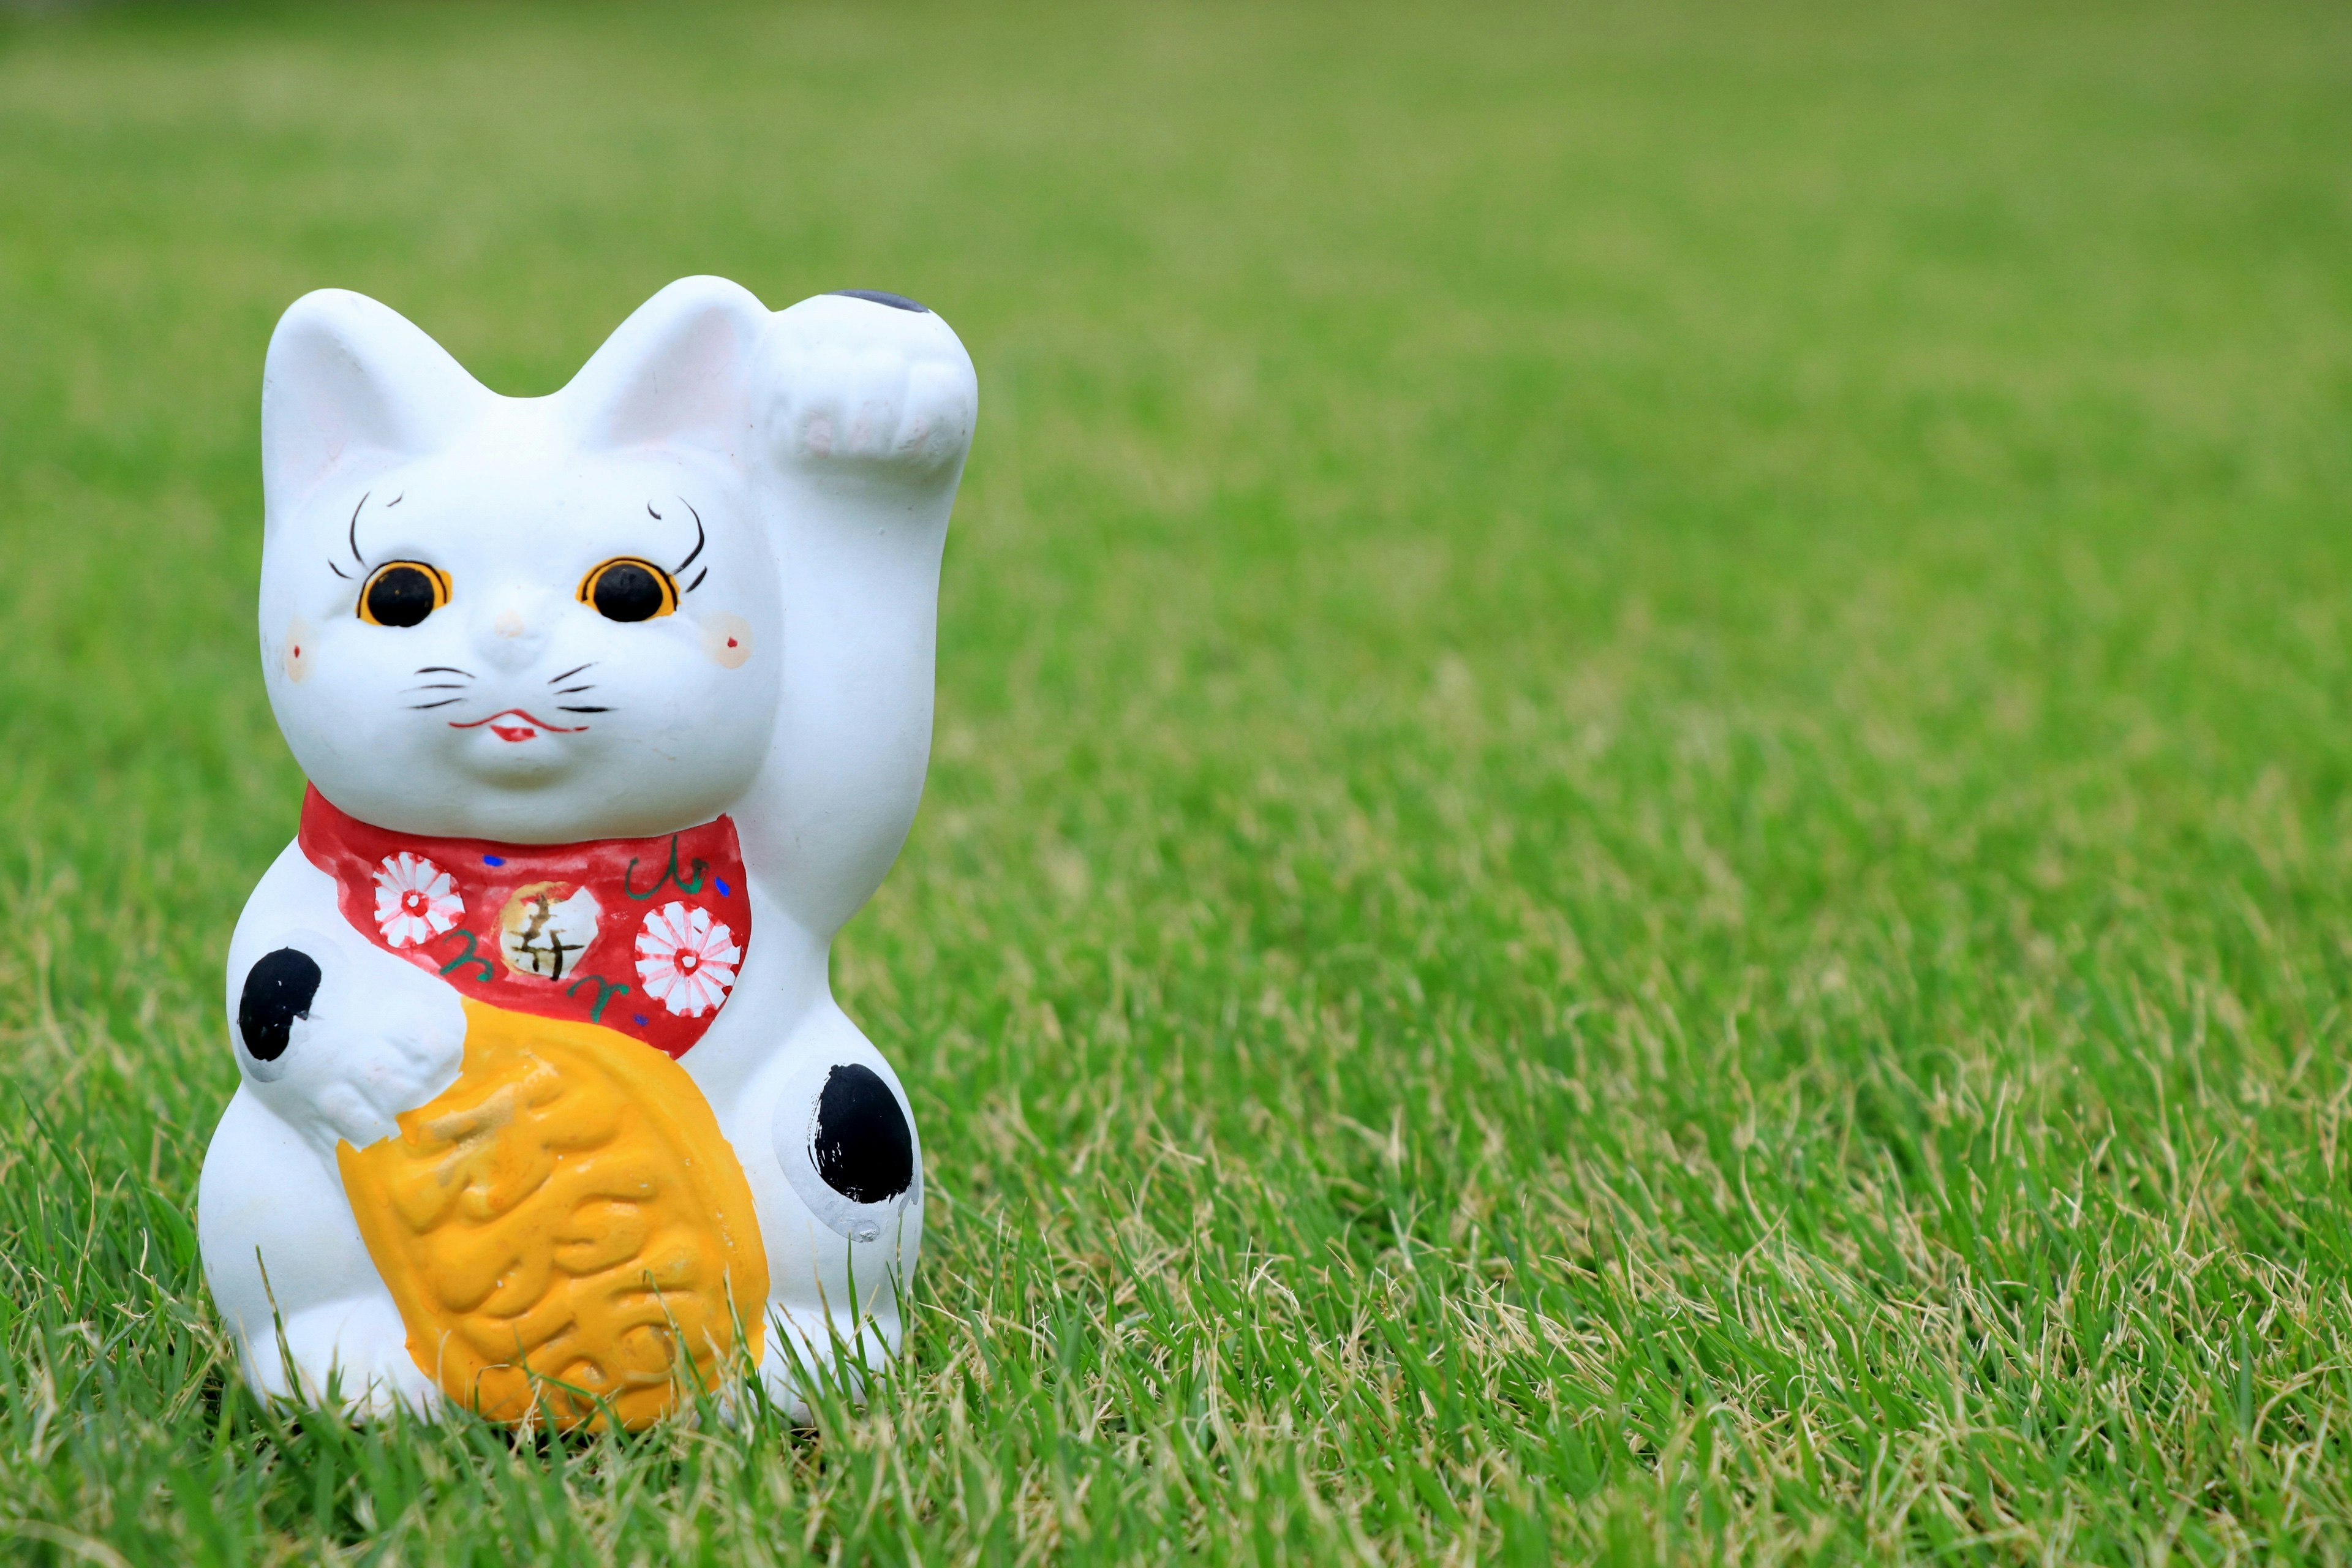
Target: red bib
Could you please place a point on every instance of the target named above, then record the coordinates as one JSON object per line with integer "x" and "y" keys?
{"x": 642, "y": 935}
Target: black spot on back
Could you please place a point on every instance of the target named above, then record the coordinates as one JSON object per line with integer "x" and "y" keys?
{"x": 863, "y": 1147}
{"x": 278, "y": 990}
{"x": 896, "y": 301}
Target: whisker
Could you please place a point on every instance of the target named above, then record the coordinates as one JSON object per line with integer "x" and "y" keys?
{"x": 562, "y": 710}
{"x": 445, "y": 670}
{"x": 438, "y": 686}
{"x": 421, "y": 707}
{"x": 574, "y": 690}
{"x": 565, "y": 676}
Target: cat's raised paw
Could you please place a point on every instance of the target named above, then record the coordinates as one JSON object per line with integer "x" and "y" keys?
{"x": 884, "y": 297}
{"x": 863, "y": 379}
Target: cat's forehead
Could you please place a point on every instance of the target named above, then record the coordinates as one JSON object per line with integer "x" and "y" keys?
{"x": 491, "y": 507}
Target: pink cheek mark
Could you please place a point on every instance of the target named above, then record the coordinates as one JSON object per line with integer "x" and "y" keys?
{"x": 726, "y": 638}
{"x": 299, "y": 651}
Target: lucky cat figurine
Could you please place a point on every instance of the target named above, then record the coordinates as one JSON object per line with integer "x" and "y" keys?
{"x": 616, "y": 704}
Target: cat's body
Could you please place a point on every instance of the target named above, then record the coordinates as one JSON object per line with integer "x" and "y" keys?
{"x": 697, "y": 585}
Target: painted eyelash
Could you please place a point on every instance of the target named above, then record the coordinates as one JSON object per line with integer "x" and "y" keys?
{"x": 351, "y": 538}
{"x": 702, "y": 540}
{"x": 701, "y": 537}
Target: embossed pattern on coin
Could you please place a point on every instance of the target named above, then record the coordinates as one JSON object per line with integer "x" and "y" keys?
{"x": 564, "y": 1226}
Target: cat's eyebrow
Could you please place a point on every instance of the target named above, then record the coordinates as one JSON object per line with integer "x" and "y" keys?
{"x": 701, "y": 537}
{"x": 355, "y": 535}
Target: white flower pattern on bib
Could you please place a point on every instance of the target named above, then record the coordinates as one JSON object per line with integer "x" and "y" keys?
{"x": 686, "y": 959}
{"x": 415, "y": 900}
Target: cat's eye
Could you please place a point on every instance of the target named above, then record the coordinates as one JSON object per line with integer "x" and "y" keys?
{"x": 628, "y": 589}
{"x": 402, "y": 592}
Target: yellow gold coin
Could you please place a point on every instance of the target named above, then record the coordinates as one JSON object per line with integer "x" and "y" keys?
{"x": 564, "y": 1225}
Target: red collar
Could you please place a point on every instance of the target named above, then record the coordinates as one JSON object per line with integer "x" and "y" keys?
{"x": 642, "y": 935}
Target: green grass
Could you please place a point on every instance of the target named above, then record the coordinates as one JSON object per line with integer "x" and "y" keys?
{"x": 1640, "y": 842}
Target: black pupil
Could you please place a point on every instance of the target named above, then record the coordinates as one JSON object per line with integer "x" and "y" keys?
{"x": 399, "y": 597}
{"x": 626, "y": 591}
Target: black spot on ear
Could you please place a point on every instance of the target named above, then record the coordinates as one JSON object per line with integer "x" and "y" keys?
{"x": 863, "y": 1147}
{"x": 896, "y": 301}
{"x": 278, "y": 990}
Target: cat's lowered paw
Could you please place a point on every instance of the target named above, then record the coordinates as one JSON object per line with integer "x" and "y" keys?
{"x": 338, "y": 1043}
{"x": 859, "y": 381}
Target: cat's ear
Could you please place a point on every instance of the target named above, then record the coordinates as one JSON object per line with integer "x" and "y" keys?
{"x": 350, "y": 387}
{"x": 677, "y": 373}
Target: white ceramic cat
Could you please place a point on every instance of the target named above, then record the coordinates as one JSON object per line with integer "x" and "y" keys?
{"x": 686, "y": 601}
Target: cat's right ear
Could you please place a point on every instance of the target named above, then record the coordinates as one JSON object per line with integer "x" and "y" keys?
{"x": 352, "y": 387}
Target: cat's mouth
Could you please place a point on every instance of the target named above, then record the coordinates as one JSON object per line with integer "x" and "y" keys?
{"x": 515, "y": 726}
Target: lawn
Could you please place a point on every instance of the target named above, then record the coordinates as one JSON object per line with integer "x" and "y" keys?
{"x": 1640, "y": 841}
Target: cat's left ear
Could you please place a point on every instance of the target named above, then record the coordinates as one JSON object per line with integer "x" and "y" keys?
{"x": 352, "y": 387}
{"x": 677, "y": 373}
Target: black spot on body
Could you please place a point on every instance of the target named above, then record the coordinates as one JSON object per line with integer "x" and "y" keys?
{"x": 863, "y": 1147}
{"x": 896, "y": 301}
{"x": 278, "y": 990}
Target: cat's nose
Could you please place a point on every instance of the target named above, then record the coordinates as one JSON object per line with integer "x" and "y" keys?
{"x": 510, "y": 637}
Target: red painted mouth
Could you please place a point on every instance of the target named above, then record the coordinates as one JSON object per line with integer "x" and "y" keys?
{"x": 517, "y": 727}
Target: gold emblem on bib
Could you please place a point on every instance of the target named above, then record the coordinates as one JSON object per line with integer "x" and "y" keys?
{"x": 544, "y": 927}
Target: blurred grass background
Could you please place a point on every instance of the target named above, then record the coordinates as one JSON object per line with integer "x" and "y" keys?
{"x": 1638, "y": 842}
